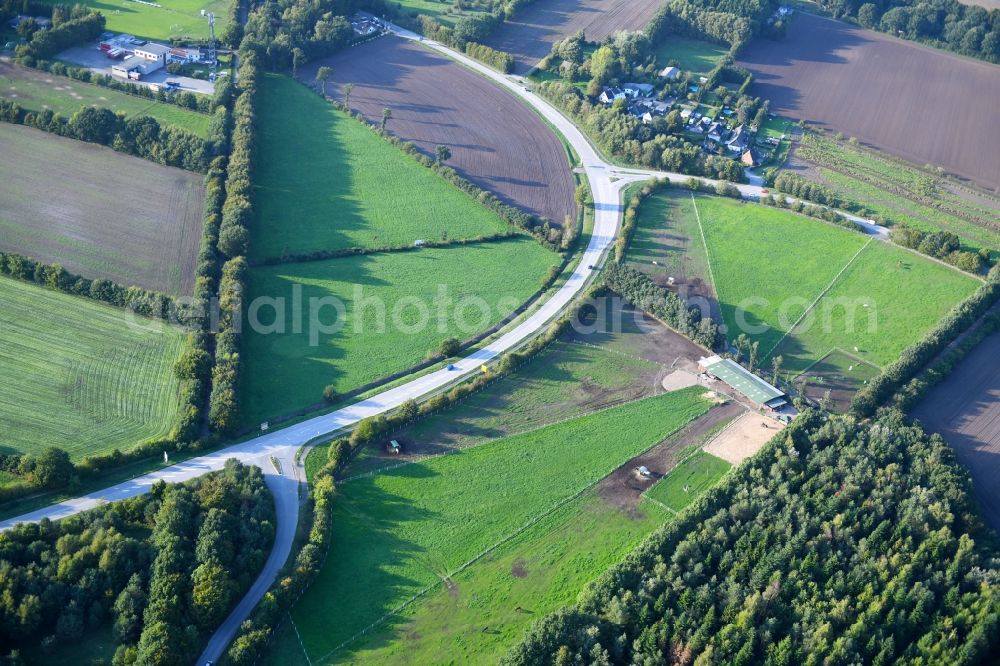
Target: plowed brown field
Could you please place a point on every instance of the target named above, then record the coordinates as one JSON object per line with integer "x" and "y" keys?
{"x": 495, "y": 141}
{"x": 965, "y": 409}
{"x": 529, "y": 35}
{"x": 924, "y": 105}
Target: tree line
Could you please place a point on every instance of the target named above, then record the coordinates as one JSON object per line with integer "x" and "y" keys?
{"x": 942, "y": 245}
{"x": 839, "y": 542}
{"x": 636, "y": 287}
{"x": 971, "y": 30}
{"x": 160, "y": 570}
{"x": 142, "y": 136}
{"x": 84, "y": 25}
{"x": 233, "y": 243}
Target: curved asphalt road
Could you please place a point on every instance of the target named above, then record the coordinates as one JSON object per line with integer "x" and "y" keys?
{"x": 606, "y": 183}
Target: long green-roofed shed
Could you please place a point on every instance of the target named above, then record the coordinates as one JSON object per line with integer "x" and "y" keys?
{"x": 742, "y": 380}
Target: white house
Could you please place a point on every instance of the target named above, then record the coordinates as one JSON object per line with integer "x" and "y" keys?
{"x": 609, "y": 95}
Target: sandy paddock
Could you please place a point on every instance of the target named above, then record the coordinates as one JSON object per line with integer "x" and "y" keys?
{"x": 743, "y": 437}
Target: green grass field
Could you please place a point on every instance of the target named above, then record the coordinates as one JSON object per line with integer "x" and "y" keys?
{"x": 81, "y": 375}
{"x": 172, "y": 18}
{"x": 496, "y": 600}
{"x": 326, "y": 182}
{"x": 905, "y": 294}
{"x": 667, "y": 233}
{"x": 694, "y": 55}
{"x": 283, "y": 372}
{"x": 686, "y": 482}
{"x": 769, "y": 264}
{"x": 406, "y": 530}
{"x": 442, "y": 11}
{"x": 36, "y": 91}
{"x": 564, "y": 381}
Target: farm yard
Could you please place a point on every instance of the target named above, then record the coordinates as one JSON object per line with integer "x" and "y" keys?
{"x": 422, "y": 521}
{"x": 163, "y": 19}
{"x": 530, "y": 33}
{"x": 329, "y": 183}
{"x": 496, "y": 142}
{"x": 899, "y": 191}
{"x": 35, "y": 90}
{"x": 877, "y": 88}
{"x": 149, "y": 238}
{"x": 771, "y": 266}
{"x": 286, "y": 371}
{"x": 965, "y": 410}
{"x": 80, "y": 375}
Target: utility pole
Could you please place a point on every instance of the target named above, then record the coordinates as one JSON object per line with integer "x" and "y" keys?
{"x": 211, "y": 39}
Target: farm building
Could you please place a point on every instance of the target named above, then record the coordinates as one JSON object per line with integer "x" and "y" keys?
{"x": 135, "y": 67}
{"x": 152, "y": 52}
{"x": 744, "y": 381}
{"x": 670, "y": 73}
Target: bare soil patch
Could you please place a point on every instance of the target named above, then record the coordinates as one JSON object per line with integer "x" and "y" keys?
{"x": 623, "y": 488}
{"x": 679, "y": 379}
{"x": 743, "y": 437}
{"x": 529, "y": 35}
{"x": 965, "y": 410}
{"x": 921, "y": 104}
{"x": 495, "y": 141}
{"x": 99, "y": 213}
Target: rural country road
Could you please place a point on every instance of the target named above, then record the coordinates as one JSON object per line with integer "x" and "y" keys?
{"x": 606, "y": 183}
{"x": 285, "y": 482}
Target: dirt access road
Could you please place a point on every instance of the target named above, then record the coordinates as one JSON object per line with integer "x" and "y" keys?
{"x": 923, "y": 105}
{"x": 965, "y": 410}
{"x": 529, "y": 35}
{"x": 496, "y": 142}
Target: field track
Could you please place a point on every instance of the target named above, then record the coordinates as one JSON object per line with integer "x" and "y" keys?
{"x": 496, "y": 142}
{"x": 529, "y": 35}
{"x": 99, "y": 213}
{"x": 965, "y": 409}
{"x": 921, "y": 104}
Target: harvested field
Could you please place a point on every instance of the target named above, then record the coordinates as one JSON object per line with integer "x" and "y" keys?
{"x": 111, "y": 216}
{"x": 743, "y": 438}
{"x": 877, "y": 88}
{"x": 82, "y": 375}
{"x": 495, "y": 141}
{"x": 529, "y": 35}
{"x": 965, "y": 410}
